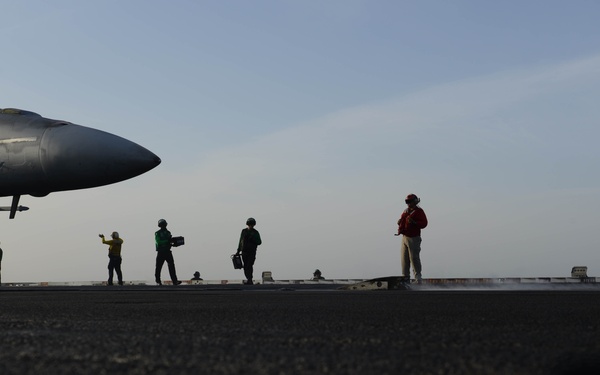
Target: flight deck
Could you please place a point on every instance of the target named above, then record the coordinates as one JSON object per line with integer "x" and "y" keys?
{"x": 380, "y": 283}
{"x": 262, "y": 329}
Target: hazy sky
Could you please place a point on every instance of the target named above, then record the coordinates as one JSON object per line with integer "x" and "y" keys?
{"x": 317, "y": 118}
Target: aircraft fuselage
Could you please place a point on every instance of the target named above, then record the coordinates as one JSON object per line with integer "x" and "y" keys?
{"x": 39, "y": 156}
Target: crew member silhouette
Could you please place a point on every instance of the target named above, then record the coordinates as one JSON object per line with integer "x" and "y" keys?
{"x": 162, "y": 238}
{"x": 249, "y": 241}
{"x": 114, "y": 256}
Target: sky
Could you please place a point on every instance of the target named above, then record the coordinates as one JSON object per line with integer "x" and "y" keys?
{"x": 317, "y": 118}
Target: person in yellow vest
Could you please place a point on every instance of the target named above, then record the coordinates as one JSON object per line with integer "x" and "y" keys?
{"x": 114, "y": 256}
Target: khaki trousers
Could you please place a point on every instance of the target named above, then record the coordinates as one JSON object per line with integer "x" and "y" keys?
{"x": 410, "y": 254}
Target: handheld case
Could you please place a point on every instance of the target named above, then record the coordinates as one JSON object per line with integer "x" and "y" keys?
{"x": 237, "y": 261}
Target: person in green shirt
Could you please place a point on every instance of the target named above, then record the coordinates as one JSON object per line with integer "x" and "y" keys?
{"x": 162, "y": 238}
{"x": 249, "y": 241}
{"x": 114, "y": 256}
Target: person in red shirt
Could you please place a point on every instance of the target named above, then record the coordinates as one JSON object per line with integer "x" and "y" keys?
{"x": 411, "y": 222}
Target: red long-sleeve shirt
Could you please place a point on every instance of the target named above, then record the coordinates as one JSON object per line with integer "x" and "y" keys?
{"x": 412, "y": 228}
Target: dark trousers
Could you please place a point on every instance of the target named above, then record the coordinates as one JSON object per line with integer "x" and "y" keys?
{"x": 248, "y": 258}
{"x": 161, "y": 257}
{"x": 114, "y": 264}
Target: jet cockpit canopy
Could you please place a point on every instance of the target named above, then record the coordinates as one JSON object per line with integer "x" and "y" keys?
{"x": 16, "y": 111}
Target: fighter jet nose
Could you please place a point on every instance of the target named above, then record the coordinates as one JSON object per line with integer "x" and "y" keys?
{"x": 76, "y": 155}
{"x": 147, "y": 164}
{"x": 125, "y": 157}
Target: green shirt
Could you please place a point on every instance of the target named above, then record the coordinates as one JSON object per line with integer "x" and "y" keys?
{"x": 162, "y": 239}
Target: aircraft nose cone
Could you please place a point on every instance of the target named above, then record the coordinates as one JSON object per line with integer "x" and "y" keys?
{"x": 76, "y": 157}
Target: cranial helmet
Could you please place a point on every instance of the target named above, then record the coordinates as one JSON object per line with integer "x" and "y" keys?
{"x": 412, "y": 198}
{"x": 115, "y": 235}
{"x": 251, "y": 221}
{"x": 162, "y": 223}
